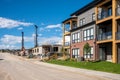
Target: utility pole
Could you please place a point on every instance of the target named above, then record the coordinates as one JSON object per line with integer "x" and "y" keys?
{"x": 22, "y": 41}
{"x": 36, "y": 35}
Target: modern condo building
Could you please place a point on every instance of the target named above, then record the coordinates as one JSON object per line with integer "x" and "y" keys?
{"x": 108, "y": 30}
{"x": 98, "y": 24}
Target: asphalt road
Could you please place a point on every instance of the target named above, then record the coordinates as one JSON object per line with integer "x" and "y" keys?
{"x": 14, "y": 68}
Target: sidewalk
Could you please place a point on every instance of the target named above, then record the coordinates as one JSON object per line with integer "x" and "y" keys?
{"x": 105, "y": 75}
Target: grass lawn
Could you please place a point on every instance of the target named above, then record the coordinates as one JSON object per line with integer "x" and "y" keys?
{"x": 99, "y": 66}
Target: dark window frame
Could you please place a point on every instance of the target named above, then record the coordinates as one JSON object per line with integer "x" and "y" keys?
{"x": 74, "y": 39}
{"x": 82, "y": 22}
{"x": 89, "y": 54}
{"x": 90, "y": 36}
{"x": 93, "y": 17}
{"x": 78, "y": 53}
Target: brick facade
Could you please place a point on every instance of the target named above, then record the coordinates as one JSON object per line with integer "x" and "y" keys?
{"x": 80, "y": 45}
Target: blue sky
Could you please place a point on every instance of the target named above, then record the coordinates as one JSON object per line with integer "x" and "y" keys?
{"x": 22, "y": 15}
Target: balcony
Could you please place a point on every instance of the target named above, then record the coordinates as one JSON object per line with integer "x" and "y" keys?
{"x": 104, "y": 36}
{"x": 104, "y": 14}
{"x": 67, "y": 44}
{"x": 118, "y": 35}
{"x": 118, "y": 11}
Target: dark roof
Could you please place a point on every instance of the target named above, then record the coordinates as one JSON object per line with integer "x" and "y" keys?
{"x": 69, "y": 19}
{"x": 87, "y": 7}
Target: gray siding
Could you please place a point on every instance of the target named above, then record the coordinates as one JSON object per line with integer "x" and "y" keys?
{"x": 87, "y": 15}
{"x": 88, "y": 18}
{"x": 81, "y": 32}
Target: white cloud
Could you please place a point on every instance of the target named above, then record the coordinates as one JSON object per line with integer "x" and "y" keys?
{"x": 5, "y": 46}
{"x": 42, "y": 24}
{"x": 10, "y": 39}
{"x": 57, "y": 30}
{"x": 50, "y": 40}
{"x": 33, "y": 35}
{"x": 20, "y": 28}
{"x": 9, "y": 23}
{"x": 54, "y": 26}
{"x": 41, "y": 29}
{"x": 39, "y": 34}
{"x": 14, "y": 42}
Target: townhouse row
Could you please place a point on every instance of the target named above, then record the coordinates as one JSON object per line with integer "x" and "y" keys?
{"x": 97, "y": 23}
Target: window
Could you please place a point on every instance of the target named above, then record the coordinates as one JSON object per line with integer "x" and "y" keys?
{"x": 110, "y": 11}
{"x": 88, "y": 34}
{"x": 82, "y": 22}
{"x": 93, "y": 17}
{"x": 85, "y": 36}
{"x": 37, "y": 50}
{"x": 89, "y": 55}
{"x": 74, "y": 25}
{"x": 75, "y": 53}
{"x": 91, "y": 33}
{"x": 55, "y": 49}
{"x": 75, "y": 37}
{"x": 33, "y": 51}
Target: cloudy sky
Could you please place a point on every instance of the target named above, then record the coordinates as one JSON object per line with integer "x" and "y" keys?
{"x": 21, "y": 15}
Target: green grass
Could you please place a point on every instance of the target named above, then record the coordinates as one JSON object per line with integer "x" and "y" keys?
{"x": 99, "y": 66}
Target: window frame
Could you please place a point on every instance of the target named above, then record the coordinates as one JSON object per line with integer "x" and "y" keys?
{"x": 88, "y": 34}
{"x": 75, "y": 53}
{"x": 76, "y": 37}
{"x": 89, "y": 55}
{"x": 82, "y": 22}
{"x": 93, "y": 17}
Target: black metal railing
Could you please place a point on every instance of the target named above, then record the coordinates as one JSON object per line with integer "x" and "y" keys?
{"x": 67, "y": 44}
{"x": 103, "y": 15}
{"x": 67, "y": 30}
{"x": 74, "y": 27}
{"x": 118, "y": 35}
{"x": 104, "y": 36}
{"x": 118, "y": 11}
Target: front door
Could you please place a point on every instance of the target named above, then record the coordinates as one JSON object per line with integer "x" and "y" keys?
{"x": 102, "y": 53}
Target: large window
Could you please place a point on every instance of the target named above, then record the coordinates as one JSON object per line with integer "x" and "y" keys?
{"x": 82, "y": 22}
{"x": 37, "y": 50}
{"x": 76, "y": 37}
{"x": 88, "y": 34}
{"x": 75, "y": 53}
{"x": 89, "y": 55}
{"x": 55, "y": 49}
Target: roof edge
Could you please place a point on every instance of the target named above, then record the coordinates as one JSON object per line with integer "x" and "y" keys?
{"x": 85, "y": 8}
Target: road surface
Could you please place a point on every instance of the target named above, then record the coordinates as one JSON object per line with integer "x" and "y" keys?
{"x": 14, "y": 68}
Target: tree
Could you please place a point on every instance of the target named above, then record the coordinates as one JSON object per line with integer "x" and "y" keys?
{"x": 87, "y": 48}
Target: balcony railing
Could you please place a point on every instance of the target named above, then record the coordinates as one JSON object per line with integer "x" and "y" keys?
{"x": 118, "y": 35}
{"x": 67, "y": 30}
{"x": 104, "y": 36}
{"x": 67, "y": 44}
{"x": 118, "y": 11}
{"x": 74, "y": 27}
{"x": 103, "y": 15}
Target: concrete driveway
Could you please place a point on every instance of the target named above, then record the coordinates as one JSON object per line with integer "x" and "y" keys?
{"x": 15, "y": 68}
